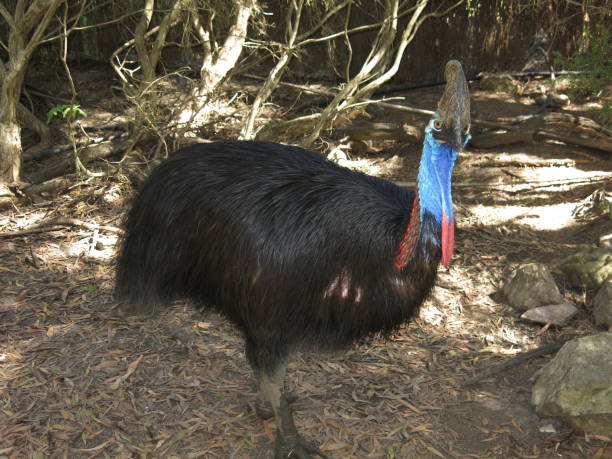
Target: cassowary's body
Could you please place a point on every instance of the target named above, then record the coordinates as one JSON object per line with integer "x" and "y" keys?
{"x": 289, "y": 246}
{"x": 293, "y": 249}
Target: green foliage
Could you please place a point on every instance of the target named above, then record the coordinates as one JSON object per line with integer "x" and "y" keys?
{"x": 65, "y": 111}
{"x": 594, "y": 62}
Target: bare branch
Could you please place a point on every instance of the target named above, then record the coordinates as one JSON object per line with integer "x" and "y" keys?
{"x": 293, "y": 18}
{"x": 7, "y": 16}
{"x": 331, "y": 13}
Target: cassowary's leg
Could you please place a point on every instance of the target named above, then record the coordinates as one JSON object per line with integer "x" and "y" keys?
{"x": 288, "y": 442}
{"x": 263, "y": 408}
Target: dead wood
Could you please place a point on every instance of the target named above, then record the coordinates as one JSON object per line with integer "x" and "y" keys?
{"x": 266, "y": 133}
{"x": 59, "y": 223}
{"x": 83, "y": 224}
{"x": 522, "y": 186}
{"x": 524, "y": 133}
{"x": 368, "y": 130}
{"x": 35, "y": 230}
{"x": 50, "y": 186}
{"x": 514, "y": 362}
{"x": 496, "y": 163}
{"x": 43, "y": 151}
{"x": 564, "y": 127}
{"x": 597, "y": 143}
{"x": 87, "y": 155}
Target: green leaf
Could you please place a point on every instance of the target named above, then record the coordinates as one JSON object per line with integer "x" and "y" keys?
{"x": 67, "y": 112}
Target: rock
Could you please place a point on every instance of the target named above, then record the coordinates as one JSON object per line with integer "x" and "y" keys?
{"x": 589, "y": 267}
{"x": 531, "y": 286}
{"x": 337, "y": 154}
{"x": 606, "y": 241}
{"x": 598, "y": 203}
{"x": 502, "y": 82}
{"x": 555, "y": 314}
{"x": 602, "y": 305}
{"x": 577, "y": 384}
{"x": 553, "y": 100}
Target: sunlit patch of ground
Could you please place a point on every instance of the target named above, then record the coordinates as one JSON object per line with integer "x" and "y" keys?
{"x": 537, "y": 217}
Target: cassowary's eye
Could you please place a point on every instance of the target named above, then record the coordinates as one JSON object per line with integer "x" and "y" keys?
{"x": 437, "y": 124}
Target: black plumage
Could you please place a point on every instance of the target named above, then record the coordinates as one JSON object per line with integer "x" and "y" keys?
{"x": 258, "y": 231}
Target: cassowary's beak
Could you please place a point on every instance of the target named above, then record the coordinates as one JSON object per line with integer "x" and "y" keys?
{"x": 454, "y": 107}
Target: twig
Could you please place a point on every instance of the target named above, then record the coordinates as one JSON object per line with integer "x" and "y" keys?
{"x": 514, "y": 362}
{"x": 90, "y": 226}
{"x": 36, "y": 230}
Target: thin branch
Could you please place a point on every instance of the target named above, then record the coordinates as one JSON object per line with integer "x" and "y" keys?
{"x": 57, "y": 224}
{"x": 336, "y": 9}
{"x": 7, "y": 16}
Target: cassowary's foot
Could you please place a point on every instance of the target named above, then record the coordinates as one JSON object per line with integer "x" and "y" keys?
{"x": 264, "y": 410}
{"x": 294, "y": 446}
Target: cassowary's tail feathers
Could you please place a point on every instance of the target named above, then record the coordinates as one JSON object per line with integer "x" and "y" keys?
{"x": 140, "y": 274}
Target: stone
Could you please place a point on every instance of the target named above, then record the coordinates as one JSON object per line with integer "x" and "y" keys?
{"x": 501, "y": 82}
{"x": 552, "y": 100}
{"x": 602, "y": 305}
{"x": 337, "y": 154}
{"x": 590, "y": 267}
{"x": 555, "y": 314}
{"x": 531, "y": 286}
{"x": 577, "y": 384}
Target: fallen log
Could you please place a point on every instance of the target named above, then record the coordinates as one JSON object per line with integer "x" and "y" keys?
{"x": 514, "y": 362}
{"x": 43, "y": 151}
{"x": 87, "y": 155}
{"x": 369, "y": 130}
{"x": 563, "y": 127}
{"x": 49, "y": 186}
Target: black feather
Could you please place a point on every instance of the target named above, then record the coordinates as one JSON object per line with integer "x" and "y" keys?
{"x": 292, "y": 248}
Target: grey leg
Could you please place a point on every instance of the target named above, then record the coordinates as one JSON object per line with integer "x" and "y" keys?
{"x": 289, "y": 444}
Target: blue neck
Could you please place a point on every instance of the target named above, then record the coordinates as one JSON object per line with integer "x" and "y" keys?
{"x": 434, "y": 178}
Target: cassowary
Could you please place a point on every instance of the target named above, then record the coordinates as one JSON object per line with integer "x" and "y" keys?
{"x": 293, "y": 249}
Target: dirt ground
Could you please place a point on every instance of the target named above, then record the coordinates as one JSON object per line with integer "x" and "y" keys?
{"x": 80, "y": 379}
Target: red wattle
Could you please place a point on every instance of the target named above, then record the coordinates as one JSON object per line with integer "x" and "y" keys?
{"x": 448, "y": 238}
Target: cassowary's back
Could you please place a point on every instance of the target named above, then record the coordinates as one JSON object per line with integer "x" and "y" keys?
{"x": 286, "y": 244}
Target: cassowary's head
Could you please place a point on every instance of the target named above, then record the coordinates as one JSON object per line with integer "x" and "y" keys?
{"x": 451, "y": 122}
{"x": 445, "y": 135}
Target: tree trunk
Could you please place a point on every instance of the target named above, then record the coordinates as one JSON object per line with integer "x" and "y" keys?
{"x": 10, "y": 153}
{"x": 26, "y": 31}
{"x": 215, "y": 68}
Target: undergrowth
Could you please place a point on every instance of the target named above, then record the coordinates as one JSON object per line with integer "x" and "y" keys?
{"x": 594, "y": 62}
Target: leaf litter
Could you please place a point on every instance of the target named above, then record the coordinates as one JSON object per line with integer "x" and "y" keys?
{"x": 81, "y": 379}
